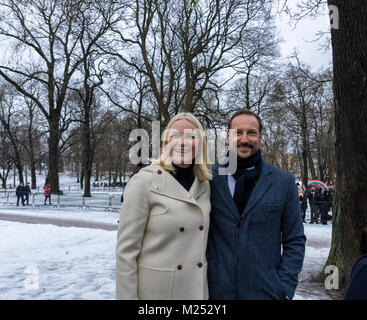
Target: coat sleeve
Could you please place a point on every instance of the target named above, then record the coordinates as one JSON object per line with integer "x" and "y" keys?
{"x": 293, "y": 242}
{"x": 133, "y": 219}
{"x": 357, "y": 288}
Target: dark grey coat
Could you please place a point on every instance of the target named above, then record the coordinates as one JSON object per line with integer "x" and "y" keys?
{"x": 244, "y": 254}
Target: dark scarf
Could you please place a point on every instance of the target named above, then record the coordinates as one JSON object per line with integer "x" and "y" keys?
{"x": 185, "y": 176}
{"x": 246, "y": 179}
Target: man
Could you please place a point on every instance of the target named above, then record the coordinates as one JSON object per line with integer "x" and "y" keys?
{"x": 256, "y": 241}
{"x": 20, "y": 192}
{"x": 324, "y": 205}
{"x": 27, "y": 193}
{"x": 313, "y": 198}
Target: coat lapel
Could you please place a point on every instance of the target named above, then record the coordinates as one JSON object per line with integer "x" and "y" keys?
{"x": 260, "y": 188}
{"x": 165, "y": 184}
{"x": 221, "y": 184}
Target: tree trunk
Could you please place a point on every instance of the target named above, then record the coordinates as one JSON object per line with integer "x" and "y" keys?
{"x": 311, "y": 164}
{"x": 53, "y": 156}
{"x": 349, "y": 45}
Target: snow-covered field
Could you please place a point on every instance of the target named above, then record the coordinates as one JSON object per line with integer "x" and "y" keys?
{"x": 41, "y": 261}
{"x": 49, "y": 262}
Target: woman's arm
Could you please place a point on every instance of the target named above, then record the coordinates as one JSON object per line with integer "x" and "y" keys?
{"x": 133, "y": 219}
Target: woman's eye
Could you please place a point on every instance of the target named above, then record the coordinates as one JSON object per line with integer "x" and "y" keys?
{"x": 190, "y": 136}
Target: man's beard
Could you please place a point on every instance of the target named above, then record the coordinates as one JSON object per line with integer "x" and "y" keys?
{"x": 248, "y": 145}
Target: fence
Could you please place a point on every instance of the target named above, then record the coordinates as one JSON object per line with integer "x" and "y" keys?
{"x": 99, "y": 200}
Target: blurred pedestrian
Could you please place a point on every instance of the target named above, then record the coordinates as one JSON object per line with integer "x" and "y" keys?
{"x": 357, "y": 289}
{"x": 303, "y": 203}
{"x": 20, "y": 192}
{"x": 313, "y": 198}
{"x": 47, "y": 193}
{"x": 27, "y": 193}
{"x": 324, "y": 205}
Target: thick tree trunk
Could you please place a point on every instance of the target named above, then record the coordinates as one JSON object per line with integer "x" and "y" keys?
{"x": 311, "y": 164}
{"x": 350, "y": 82}
{"x": 53, "y": 157}
{"x": 31, "y": 154}
{"x": 87, "y": 148}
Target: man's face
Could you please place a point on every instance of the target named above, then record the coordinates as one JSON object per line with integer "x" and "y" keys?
{"x": 248, "y": 138}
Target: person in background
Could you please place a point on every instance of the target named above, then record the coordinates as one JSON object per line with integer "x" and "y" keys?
{"x": 27, "y": 193}
{"x": 303, "y": 203}
{"x": 47, "y": 193}
{"x": 324, "y": 205}
{"x": 357, "y": 289}
{"x": 313, "y": 198}
{"x": 20, "y": 192}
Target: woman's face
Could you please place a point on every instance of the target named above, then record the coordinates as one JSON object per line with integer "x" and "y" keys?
{"x": 182, "y": 137}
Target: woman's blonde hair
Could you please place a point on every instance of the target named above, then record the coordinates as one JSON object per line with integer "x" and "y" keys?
{"x": 201, "y": 168}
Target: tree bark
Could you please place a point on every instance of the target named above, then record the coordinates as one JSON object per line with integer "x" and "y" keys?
{"x": 349, "y": 44}
{"x": 54, "y": 154}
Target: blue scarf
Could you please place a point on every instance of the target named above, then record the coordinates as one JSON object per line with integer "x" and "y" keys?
{"x": 246, "y": 175}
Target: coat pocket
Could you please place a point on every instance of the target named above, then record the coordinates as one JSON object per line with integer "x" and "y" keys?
{"x": 272, "y": 207}
{"x": 155, "y": 283}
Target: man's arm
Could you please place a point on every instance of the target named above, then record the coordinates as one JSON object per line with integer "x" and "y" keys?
{"x": 293, "y": 242}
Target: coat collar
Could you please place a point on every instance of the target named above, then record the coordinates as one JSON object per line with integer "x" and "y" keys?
{"x": 263, "y": 183}
{"x": 165, "y": 184}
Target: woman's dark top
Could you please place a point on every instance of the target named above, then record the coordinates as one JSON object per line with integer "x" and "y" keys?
{"x": 185, "y": 176}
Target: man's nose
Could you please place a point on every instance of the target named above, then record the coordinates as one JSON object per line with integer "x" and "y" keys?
{"x": 243, "y": 138}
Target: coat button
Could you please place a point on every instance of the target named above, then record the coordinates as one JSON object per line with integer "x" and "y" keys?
{"x": 179, "y": 267}
{"x": 201, "y": 228}
{"x": 159, "y": 171}
{"x": 200, "y": 264}
{"x": 182, "y": 229}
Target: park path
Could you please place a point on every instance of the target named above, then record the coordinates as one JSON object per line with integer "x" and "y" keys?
{"x": 62, "y": 222}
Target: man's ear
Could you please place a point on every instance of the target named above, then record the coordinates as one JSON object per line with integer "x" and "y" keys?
{"x": 261, "y": 136}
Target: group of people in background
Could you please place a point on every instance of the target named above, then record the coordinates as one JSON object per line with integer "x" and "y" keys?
{"x": 22, "y": 192}
{"x": 320, "y": 202}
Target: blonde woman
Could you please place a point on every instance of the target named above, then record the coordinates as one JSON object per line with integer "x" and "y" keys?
{"x": 164, "y": 222}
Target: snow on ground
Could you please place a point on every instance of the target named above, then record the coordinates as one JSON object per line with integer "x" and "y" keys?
{"x": 79, "y": 263}
{"x": 72, "y": 263}
{"x": 317, "y": 251}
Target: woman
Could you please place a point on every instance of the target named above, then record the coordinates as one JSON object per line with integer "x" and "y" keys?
{"x": 164, "y": 222}
{"x": 47, "y": 193}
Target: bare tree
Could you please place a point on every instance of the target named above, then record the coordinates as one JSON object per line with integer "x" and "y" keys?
{"x": 182, "y": 49}
{"x": 51, "y": 30}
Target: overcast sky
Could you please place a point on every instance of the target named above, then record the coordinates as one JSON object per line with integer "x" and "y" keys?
{"x": 300, "y": 37}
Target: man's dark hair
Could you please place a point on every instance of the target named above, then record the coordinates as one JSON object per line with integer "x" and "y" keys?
{"x": 247, "y": 112}
{"x": 364, "y": 241}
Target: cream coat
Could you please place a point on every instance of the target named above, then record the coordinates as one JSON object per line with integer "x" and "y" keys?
{"x": 162, "y": 236}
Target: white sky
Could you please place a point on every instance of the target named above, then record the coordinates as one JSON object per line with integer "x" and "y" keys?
{"x": 300, "y": 38}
